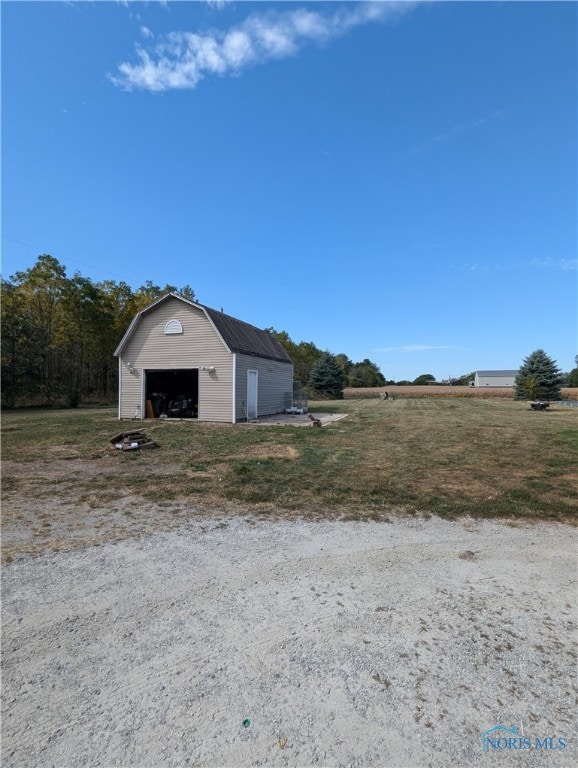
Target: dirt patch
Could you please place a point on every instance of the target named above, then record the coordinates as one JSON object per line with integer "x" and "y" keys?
{"x": 269, "y": 451}
{"x": 240, "y": 642}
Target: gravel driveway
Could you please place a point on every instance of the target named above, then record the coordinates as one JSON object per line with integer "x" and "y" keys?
{"x": 240, "y": 642}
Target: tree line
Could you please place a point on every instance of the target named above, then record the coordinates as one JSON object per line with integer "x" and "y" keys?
{"x": 308, "y": 358}
{"x": 59, "y": 334}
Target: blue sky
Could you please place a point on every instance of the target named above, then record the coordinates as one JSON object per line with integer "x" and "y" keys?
{"x": 395, "y": 182}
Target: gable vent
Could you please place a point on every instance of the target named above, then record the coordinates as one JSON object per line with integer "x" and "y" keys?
{"x": 173, "y": 326}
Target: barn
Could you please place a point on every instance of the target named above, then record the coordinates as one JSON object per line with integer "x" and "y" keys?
{"x": 180, "y": 359}
{"x": 494, "y": 378}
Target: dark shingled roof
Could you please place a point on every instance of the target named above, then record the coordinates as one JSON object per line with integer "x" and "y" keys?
{"x": 245, "y": 338}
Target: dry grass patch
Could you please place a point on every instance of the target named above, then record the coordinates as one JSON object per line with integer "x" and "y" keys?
{"x": 451, "y": 457}
{"x": 272, "y": 451}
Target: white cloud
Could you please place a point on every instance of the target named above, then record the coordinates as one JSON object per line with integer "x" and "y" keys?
{"x": 413, "y": 348}
{"x": 564, "y": 265}
{"x": 145, "y": 32}
{"x": 218, "y": 5}
{"x": 183, "y": 59}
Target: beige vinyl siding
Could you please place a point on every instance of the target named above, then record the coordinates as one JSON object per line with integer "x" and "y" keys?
{"x": 199, "y": 345}
{"x": 275, "y": 385}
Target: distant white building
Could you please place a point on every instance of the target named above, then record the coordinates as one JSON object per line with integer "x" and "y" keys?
{"x": 495, "y": 378}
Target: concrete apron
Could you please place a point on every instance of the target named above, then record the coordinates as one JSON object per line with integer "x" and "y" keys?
{"x": 296, "y": 420}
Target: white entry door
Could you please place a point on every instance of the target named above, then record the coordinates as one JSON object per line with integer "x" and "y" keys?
{"x": 252, "y": 385}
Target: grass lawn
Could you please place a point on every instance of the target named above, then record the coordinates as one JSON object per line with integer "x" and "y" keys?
{"x": 447, "y": 457}
{"x": 441, "y": 456}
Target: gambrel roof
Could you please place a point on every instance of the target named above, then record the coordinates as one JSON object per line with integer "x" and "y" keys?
{"x": 237, "y": 335}
{"x": 247, "y": 339}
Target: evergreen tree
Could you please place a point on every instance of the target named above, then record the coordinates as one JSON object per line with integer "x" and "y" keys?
{"x": 539, "y": 378}
{"x": 327, "y": 378}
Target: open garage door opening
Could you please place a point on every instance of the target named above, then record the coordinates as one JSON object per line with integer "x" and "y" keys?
{"x": 172, "y": 394}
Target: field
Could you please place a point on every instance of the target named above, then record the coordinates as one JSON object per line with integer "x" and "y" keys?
{"x": 504, "y": 393}
{"x": 65, "y": 486}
